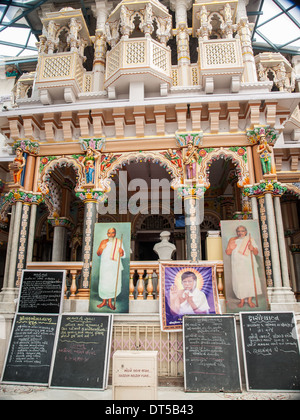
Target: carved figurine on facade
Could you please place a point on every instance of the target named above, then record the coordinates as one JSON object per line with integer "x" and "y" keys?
{"x": 174, "y": 158}
{"x": 190, "y": 160}
{"x": 106, "y": 163}
{"x": 89, "y": 163}
{"x": 265, "y": 152}
{"x": 17, "y": 166}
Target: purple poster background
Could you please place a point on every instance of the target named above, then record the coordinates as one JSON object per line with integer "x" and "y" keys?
{"x": 172, "y": 275}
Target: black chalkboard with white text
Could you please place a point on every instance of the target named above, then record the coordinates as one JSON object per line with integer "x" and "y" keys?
{"x": 210, "y": 354}
{"x": 83, "y": 351}
{"x": 29, "y": 355}
{"x": 41, "y": 292}
{"x": 271, "y": 351}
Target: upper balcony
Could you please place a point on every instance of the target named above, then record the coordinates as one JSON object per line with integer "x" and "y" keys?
{"x": 140, "y": 60}
{"x": 220, "y": 59}
{"x": 60, "y": 71}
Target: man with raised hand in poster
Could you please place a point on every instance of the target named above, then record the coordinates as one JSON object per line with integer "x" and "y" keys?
{"x": 245, "y": 279}
{"x": 111, "y": 252}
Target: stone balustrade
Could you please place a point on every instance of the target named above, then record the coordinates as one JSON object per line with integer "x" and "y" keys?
{"x": 143, "y": 284}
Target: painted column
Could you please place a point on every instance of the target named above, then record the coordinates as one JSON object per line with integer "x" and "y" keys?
{"x": 31, "y": 232}
{"x": 90, "y": 215}
{"x": 192, "y": 229}
{"x": 273, "y": 240}
{"x": 265, "y": 241}
{"x": 194, "y": 213}
{"x": 22, "y": 244}
{"x": 14, "y": 245}
{"x": 5, "y": 292}
{"x": 272, "y": 232}
{"x": 282, "y": 245}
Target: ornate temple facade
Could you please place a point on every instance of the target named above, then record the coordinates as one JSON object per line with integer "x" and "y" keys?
{"x": 168, "y": 91}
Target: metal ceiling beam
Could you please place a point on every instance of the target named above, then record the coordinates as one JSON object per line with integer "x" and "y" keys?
{"x": 5, "y": 10}
{"x": 288, "y": 43}
{"x": 274, "y": 17}
{"x": 257, "y": 19}
{"x": 264, "y": 47}
{"x": 12, "y": 44}
{"x": 26, "y": 12}
{"x": 267, "y": 40}
{"x": 287, "y": 13}
{"x": 16, "y": 4}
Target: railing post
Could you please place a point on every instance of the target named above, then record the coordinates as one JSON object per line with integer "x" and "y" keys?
{"x": 220, "y": 272}
{"x": 73, "y": 288}
{"x": 157, "y": 286}
{"x": 131, "y": 285}
{"x": 150, "y": 285}
{"x": 141, "y": 285}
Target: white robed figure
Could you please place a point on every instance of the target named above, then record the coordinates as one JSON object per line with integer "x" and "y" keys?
{"x": 110, "y": 274}
{"x": 244, "y": 267}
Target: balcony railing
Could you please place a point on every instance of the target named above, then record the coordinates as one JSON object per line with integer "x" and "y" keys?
{"x": 62, "y": 72}
{"x": 138, "y": 54}
{"x": 220, "y": 54}
{"x": 143, "y": 284}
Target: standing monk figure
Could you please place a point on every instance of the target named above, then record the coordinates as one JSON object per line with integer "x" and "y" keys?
{"x": 243, "y": 273}
{"x": 110, "y": 274}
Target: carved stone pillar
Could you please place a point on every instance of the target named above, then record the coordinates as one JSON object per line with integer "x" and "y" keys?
{"x": 19, "y": 234}
{"x": 101, "y": 11}
{"x": 90, "y": 213}
{"x": 275, "y": 258}
{"x": 182, "y": 33}
{"x": 244, "y": 32}
{"x": 193, "y": 196}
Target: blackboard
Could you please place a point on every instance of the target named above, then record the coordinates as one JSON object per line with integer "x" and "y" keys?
{"x": 41, "y": 292}
{"x": 211, "y": 354}
{"x": 29, "y": 355}
{"x": 82, "y": 352}
{"x": 271, "y": 351}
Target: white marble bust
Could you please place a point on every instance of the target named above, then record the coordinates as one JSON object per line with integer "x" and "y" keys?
{"x": 164, "y": 249}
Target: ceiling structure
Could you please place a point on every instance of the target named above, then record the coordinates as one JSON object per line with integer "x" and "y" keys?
{"x": 276, "y": 26}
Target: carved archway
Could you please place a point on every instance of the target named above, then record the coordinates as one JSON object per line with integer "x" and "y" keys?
{"x": 238, "y": 158}
{"x": 174, "y": 171}
{"x": 48, "y": 187}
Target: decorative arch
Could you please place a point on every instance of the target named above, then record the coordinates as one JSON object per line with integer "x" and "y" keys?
{"x": 46, "y": 184}
{"x": 216, "y": 29}
{"x": 293, "y": 189}
{"x": 238, "y": 157}
{"x": 135, "y": 14}
{"x": 120, "y": 161}
{"x": 55, "y": 163}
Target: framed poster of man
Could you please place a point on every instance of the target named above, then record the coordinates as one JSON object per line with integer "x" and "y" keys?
{"x": 186, "y": 289}
{"x": 110, "y": 268}
{"x": 245, "y": 281}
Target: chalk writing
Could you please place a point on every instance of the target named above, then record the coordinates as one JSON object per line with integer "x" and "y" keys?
{"x": 269, "y": 340}
{"x": 211, "y": 352}
{"x": 30, "y": 351}
{"x": 41, "y": 292}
